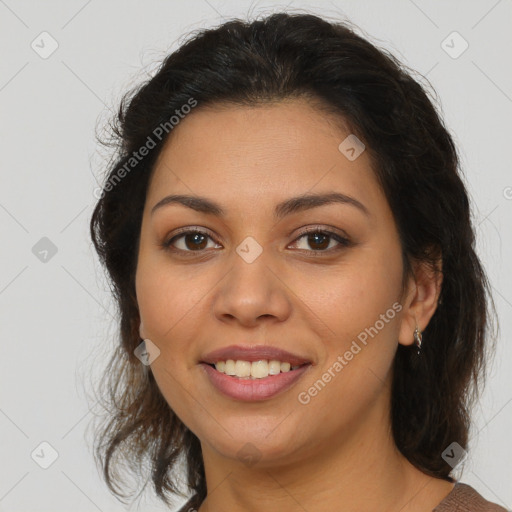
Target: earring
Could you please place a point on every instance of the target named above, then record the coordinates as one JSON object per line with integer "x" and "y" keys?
{"x": 417, "y": 339}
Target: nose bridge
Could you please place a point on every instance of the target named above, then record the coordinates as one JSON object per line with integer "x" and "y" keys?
{"x": 249, "y": 273}
{"x": 251, "y": 289}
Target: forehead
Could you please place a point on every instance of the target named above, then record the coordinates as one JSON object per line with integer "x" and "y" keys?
{"x": 269, "y": 151}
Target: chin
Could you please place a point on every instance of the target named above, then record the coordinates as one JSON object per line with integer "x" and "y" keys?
{"x": 257, "y": 449}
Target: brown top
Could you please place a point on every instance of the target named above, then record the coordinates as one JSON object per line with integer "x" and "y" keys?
{"x": 462, "y": 498}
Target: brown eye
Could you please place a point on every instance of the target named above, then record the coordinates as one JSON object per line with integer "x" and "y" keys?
{"x": 192, "y": 241}
{"x": 195, "y": 241}
{"x": 320, "y": 241}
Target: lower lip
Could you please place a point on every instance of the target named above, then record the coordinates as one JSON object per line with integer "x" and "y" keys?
{"x": 252, "y": 390}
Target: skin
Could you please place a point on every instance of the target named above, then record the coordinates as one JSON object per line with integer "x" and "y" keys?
{"x": 313, "y": 303}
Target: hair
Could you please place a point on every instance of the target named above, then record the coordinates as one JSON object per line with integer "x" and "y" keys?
{"x": 292, "y": 56}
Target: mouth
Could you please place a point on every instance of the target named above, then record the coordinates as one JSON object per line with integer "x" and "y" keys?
{"x": 253, "y": 373}
{"x": 244, "y": 387}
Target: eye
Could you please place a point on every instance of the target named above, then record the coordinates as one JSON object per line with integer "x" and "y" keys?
{"x": 320, "y": 240}
{"x": 193, "y": 241}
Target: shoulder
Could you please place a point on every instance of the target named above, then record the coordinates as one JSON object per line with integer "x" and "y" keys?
{"x": 464, "y": 498}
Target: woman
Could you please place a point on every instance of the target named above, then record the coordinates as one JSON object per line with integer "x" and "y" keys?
{"x": 303, "y": 316}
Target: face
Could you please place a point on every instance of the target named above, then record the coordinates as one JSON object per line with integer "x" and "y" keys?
{"x": 252, "y": 277}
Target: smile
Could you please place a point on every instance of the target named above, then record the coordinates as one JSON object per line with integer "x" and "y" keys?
{"x": 247, "y": 387}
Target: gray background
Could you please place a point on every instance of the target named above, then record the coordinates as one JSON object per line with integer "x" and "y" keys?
{"x": 57, "y": 323}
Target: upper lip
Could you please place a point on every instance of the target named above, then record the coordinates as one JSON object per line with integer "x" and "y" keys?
{"x": 253, "y": 353}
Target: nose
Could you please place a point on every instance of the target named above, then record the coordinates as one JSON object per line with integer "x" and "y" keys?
{"x": 251, "y": 293}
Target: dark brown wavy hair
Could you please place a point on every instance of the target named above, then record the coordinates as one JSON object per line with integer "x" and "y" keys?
{"x": 414, "y": 159}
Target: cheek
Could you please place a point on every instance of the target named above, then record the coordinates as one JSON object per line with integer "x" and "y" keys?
{"x": 166, "y": 296}
{"x": 164, "y": 300}
{"x": 360, "y": 308}
{"x": 356, "y": 368}
{"x": 352, "y": 298}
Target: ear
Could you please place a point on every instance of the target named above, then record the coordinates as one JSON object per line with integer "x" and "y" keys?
{"x": 421, "y": 300}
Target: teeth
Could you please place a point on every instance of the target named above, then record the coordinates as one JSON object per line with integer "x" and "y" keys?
{"x": 230, "y": 367}
{"x": 259, "y": 369}
{"x": 243, "y": 369}
{"x": 254, "y": 370}
{"x": 274, "y": 367}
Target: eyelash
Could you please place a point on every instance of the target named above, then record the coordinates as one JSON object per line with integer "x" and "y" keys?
{"x": 343, "y": 242}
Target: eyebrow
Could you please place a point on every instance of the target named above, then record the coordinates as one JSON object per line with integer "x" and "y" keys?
{"x": 287, "y": 207}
